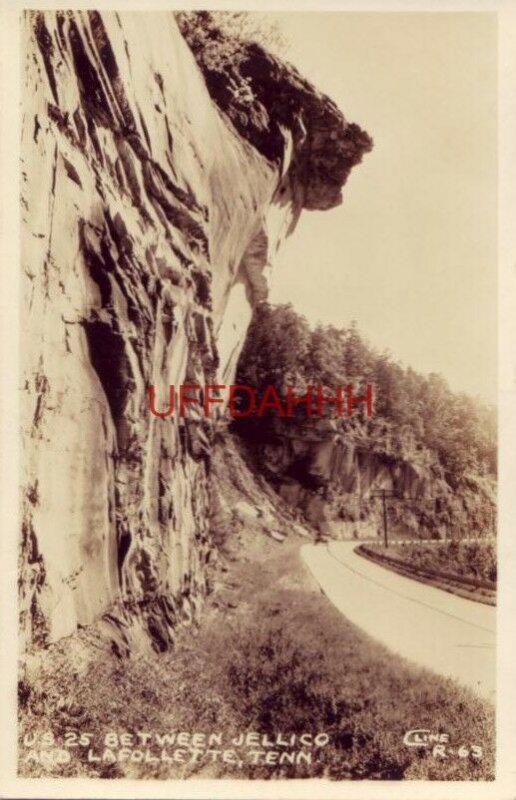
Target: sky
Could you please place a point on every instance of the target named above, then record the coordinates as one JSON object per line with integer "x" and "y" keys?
{"x": 411, "y": 253}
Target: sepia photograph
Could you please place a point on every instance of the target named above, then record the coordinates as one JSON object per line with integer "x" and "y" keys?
{"x": 258, "y": 393}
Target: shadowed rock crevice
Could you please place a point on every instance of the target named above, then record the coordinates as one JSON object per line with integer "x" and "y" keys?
{"x": 110, "y": 362}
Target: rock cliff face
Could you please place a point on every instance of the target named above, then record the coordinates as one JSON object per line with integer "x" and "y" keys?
{"x": 151, "y": 210}
{"x": 332, "y": 477}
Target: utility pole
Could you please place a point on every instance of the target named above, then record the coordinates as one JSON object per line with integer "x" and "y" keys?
{"x": 384, "y": 493}
{"x": 384, "y": 519}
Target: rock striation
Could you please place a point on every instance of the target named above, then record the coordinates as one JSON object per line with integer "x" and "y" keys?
{"x": 152, "y": 206}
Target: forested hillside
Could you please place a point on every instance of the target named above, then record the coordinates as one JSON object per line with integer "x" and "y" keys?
{"x": 448, "y": 439}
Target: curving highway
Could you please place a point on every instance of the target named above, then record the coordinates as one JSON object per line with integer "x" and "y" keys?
{"x": 448, "y": 634}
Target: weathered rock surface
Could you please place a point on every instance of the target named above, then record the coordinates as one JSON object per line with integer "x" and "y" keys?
{"x": 334, "y": 477}
{"x": 279, "y": 112}
{"x": 150, "y": 216}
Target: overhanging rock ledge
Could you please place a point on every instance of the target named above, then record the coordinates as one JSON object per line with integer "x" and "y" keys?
{"x": 154, "y": 197}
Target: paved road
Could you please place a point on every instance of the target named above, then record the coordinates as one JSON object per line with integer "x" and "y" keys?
{"x": 433, "y": 628}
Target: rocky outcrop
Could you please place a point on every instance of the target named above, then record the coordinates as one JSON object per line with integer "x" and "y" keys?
{"x": 151, "y": 212}
{"x": 333, "y": 476}
{"x": 278, "y": 111}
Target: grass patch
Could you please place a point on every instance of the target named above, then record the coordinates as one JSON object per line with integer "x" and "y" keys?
{"x": 283, "y": 660}
{"x": 470, "y": 560}
{"x": 467, "y": 569}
